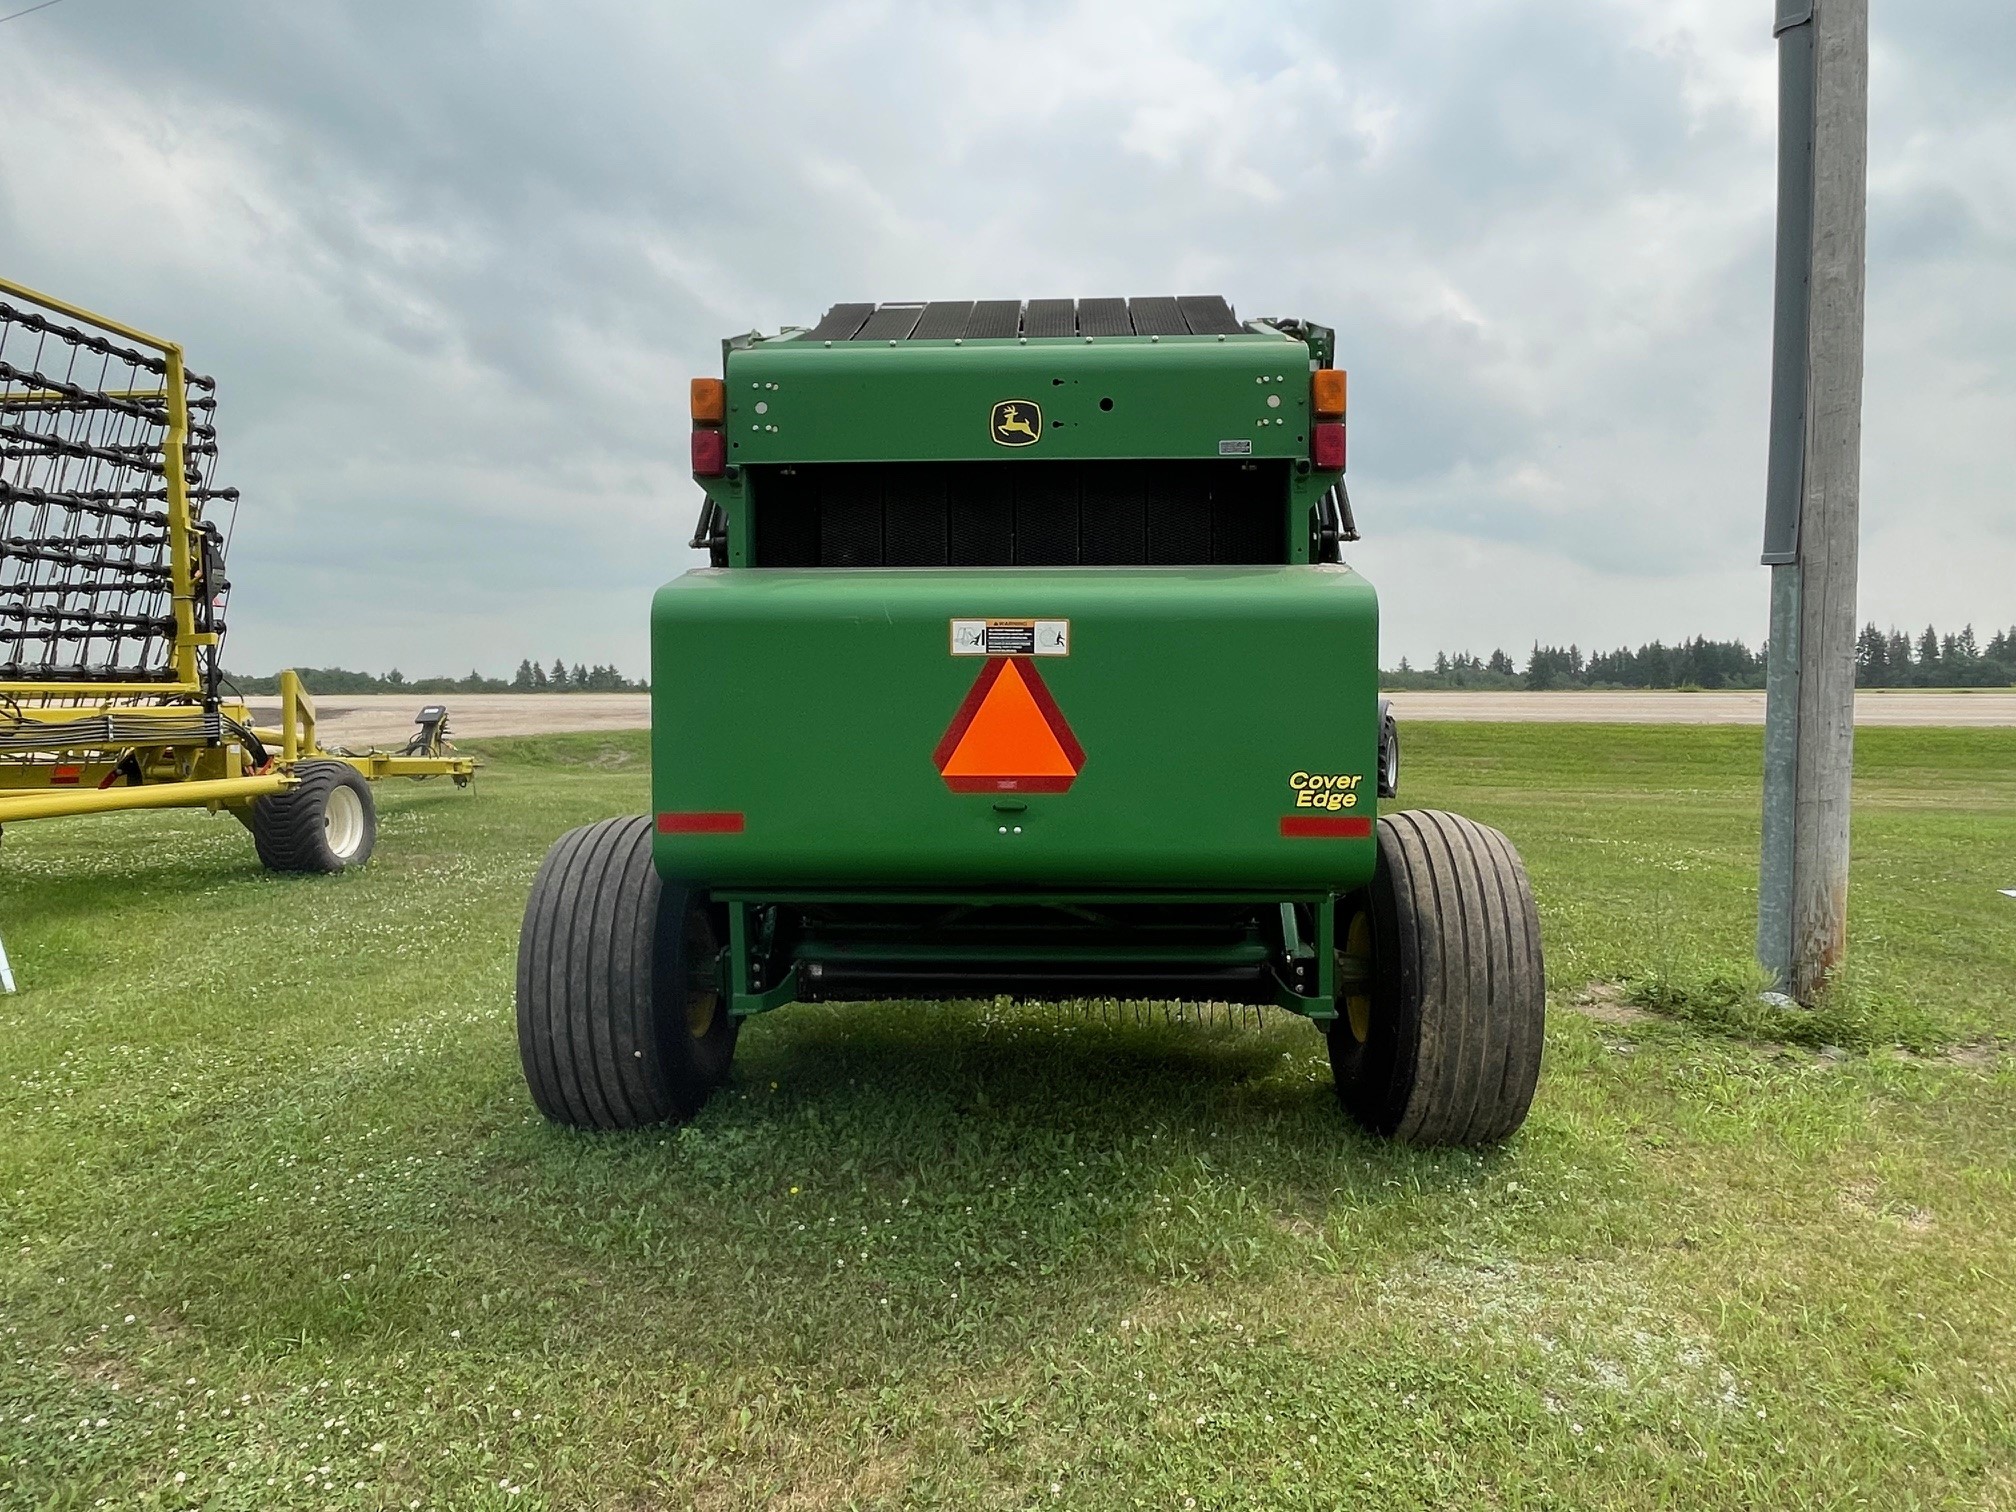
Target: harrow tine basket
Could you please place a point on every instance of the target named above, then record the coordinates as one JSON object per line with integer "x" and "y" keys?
{"x": 106, "y": 457}
{"x": 113, "y": 535}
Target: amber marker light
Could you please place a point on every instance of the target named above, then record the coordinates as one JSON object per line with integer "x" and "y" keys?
{"x": 710, "y": 401}
{"x": 1326, "y": 393}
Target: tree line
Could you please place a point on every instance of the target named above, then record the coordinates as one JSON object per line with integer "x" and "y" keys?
{"x": 533, "y": 678}
{"x": 1891, "y": 660}
{"x": 529, "y": 678}
{"x": 1883, "y": 659}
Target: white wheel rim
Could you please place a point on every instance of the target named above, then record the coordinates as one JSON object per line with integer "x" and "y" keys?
{"x": 343, "y": 822}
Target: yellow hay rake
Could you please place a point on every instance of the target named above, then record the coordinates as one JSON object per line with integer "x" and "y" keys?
{"x": 112, "y": 602}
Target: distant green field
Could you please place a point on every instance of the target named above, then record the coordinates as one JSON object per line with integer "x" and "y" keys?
{"x": 279, "y": 1227}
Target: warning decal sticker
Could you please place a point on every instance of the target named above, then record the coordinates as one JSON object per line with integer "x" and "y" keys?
{"x": 1009, "y": 736}
{"x": 1006, "y": 637}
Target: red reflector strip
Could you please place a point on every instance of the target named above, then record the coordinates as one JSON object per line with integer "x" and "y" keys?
{"x": 710, "y": 454}
{"x": 1309, "y": 827}
{"x": 1327, "y": 447}
{"x": 64, "y": 776}
{"x": 700, "y": 824}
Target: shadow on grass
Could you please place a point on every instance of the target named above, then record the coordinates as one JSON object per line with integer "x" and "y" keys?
{"x": 962, "y": 1168}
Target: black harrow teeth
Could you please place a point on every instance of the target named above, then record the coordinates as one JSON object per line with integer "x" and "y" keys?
{"x": 87, "y": 557}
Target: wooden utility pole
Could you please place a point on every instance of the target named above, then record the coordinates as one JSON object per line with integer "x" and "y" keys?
{"x": 1813, "y": 496}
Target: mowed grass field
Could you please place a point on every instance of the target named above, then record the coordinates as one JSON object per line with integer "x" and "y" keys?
{"x": 280, "y": 1228}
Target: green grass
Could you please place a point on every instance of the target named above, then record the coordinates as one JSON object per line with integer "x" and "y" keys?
{"x": 279, "y": 1228}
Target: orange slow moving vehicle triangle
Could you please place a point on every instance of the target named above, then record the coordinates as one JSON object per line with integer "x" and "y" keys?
{"x": 1009, "y": 736}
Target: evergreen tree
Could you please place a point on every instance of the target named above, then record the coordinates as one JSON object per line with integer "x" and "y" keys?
{"x": 1928, "y": 653}
{"x": 580, "y": 683}
{"x": 1502, "y": 664}
{"x": 1552, "y": 667}
{"x": 1872, "y": 658}
{"x": 557, "y": 678}
{"x": 539, "y": 683}
{"x": 521, "y": 680}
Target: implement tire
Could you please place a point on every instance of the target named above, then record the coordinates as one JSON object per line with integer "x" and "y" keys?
{"x": 1389, "y": 753}
{"x": 622, "y": 1021}
{"x": 1449, "y": 1052}
{"x": 326, "y": 822}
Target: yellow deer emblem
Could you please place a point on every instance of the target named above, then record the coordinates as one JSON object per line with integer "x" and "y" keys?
{"x": 1017, "y": 422}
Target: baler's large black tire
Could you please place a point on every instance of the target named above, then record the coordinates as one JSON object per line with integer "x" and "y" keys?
{"x": 1450, "y": 1052}
{"x": 622, "y": 1022}
{"x": 326, "y": 822}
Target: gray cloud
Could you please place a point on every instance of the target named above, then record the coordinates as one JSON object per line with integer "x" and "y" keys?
{"x": 453, "y": 264}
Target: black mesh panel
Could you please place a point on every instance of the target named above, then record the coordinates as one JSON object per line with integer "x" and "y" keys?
{"x": 1042, "y": 514}
{"x": 1240, "y": 532}
{"x": 1046, "y": 515}
{"x": 914, "y": 524}
{"x": 1113, "y": 515}
{"x": 1179, "y": 517}
{"x": 980, "y": 511}
{"x": 787, "y": 526}
{"x": 850, "y": 519}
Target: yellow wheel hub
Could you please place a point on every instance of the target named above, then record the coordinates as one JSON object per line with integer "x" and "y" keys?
{"x": 1358, "y": 997}
{"x": 703, "y": 997}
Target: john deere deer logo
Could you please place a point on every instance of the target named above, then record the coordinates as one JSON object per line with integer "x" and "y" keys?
{"x": 1017, "y": 422}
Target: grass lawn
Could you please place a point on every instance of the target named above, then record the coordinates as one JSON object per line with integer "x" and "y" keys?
{"x": 279, "y": 1227}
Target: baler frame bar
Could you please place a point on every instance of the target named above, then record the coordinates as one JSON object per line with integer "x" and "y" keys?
{"x": 1301, "y": 971}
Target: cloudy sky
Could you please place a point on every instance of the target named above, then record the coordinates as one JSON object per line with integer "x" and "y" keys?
{"x": 453, "y": 263}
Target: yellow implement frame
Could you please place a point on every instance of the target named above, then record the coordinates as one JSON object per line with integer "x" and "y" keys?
{"x": 84, "y": 746}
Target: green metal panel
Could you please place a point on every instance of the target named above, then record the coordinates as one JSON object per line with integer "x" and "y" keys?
{"x": 930, "y": 401}
{"x": 810, "y": 703}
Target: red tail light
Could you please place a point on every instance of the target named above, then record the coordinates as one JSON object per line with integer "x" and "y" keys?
{"x": 1326, "y": 448}
{"x": 710, "y": 454}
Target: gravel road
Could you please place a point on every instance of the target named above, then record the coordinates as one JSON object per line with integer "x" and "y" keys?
{"x": 383, "y": 719}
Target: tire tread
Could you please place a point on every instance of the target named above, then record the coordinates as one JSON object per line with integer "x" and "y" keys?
{"x": 1466, "y": 985}
{"x": 603, "y": 1039}
{"x": 287, "y": 827}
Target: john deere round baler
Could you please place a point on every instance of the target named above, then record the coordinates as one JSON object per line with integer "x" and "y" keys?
{"x": 1026, "y": 664}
